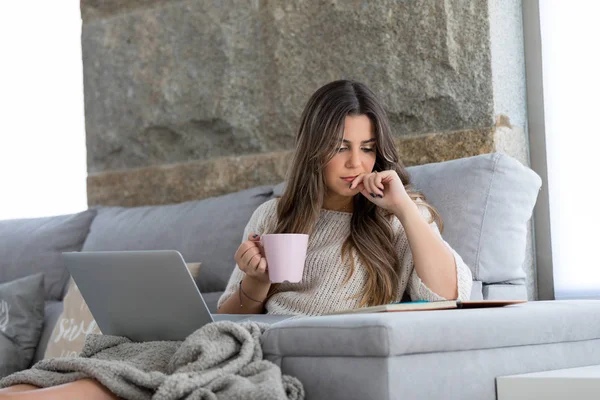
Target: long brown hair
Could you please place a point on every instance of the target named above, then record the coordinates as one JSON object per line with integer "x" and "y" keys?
{"x": 319, "y": 135}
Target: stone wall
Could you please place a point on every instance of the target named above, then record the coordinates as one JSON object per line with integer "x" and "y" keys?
{"x": 179, "y": 81}
{"x": 165, "y": 184}
{"x": 186, "y": 99}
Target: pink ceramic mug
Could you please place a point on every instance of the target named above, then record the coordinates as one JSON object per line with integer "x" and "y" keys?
{"x": 285, "y": 254}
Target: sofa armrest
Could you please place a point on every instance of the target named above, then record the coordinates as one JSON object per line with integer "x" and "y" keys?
{"x": 505, "y": 291}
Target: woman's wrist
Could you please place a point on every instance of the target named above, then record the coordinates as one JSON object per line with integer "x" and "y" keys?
{"x": 405, "y": 208}
{"x": 254, "y": 289}
{"x": 256, "y": 283}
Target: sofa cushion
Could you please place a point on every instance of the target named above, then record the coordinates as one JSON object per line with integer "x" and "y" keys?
{"x": 452, "y": 354}
{"x": 29, "y": 246}
{"x": 425, "y": 332}
{"x": 208, "y": 231}
{"x": 52, "y": 310}
{"x": 21, "y": 320}
{"x": 486, "y": 202}
{"x": 500, "y": 291}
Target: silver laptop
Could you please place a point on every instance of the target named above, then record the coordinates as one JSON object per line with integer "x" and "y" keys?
{"x": 144, "y": 295}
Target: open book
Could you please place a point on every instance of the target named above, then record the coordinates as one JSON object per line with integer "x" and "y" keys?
{"x": 423, "y": 305}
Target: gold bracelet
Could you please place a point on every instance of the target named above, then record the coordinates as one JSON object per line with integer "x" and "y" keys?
{"x": 245, "y": 294}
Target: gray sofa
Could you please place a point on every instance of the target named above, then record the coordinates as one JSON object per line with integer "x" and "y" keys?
{"x": 486, "y": 203}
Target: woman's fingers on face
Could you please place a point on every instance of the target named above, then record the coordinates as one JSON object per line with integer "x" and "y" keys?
{"x": 365, "y": 188}
{"x": 377, "y": 185}
{"x": 367, "y": 185}
{"x": 379, "y": 182}
{"x": 370, "y": 186}
{"x": 357, "y": 181}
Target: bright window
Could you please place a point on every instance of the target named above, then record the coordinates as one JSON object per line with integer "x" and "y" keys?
{"x": 571, "y": 79}
{"x": 42, "y": 133}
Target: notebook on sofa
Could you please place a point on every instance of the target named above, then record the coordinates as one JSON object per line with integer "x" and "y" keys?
{"x": 423, "y": 305}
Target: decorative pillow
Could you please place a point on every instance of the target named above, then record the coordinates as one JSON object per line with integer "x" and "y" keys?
{"x": 76, "y": 322}
{"x": 486, "y": 202}
{"x": 21, "y": 321}
{"x": 34, "y": 245}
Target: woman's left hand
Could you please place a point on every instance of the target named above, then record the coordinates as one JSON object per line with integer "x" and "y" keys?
{"x": 385, "y": 189}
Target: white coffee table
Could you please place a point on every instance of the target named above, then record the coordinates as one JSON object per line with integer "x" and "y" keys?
{"x": 573, "y": 383}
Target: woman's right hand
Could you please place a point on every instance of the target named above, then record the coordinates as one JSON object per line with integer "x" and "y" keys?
{"x": 250, "y": 259}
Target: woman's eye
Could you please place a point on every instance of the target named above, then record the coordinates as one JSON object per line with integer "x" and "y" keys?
{"x": 365, "y": 149}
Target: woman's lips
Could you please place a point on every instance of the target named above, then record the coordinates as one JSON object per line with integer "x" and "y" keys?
{"x": 349, "y": 179}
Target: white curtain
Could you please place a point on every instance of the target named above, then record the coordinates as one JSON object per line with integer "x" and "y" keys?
{"x": 42, "y": 136}
{"x": 570, "y": 35}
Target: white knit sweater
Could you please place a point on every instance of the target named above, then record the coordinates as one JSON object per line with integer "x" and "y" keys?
{"x": 321, "y": 289}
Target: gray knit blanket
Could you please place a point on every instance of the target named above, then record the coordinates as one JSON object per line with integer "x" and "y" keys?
{"x": 221, "y": 360}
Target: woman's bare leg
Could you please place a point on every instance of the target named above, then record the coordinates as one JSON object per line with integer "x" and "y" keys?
{"x": 88, "y": 389}
{"x": 18, "y": 388}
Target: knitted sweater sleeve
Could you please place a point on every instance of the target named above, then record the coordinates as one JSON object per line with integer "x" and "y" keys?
{"x": 257, "y": 224}
{"x": 416, "y": 288}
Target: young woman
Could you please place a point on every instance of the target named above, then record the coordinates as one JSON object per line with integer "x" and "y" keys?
{"x": 372, "y": 240}
{"x": 372, "y": 237}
